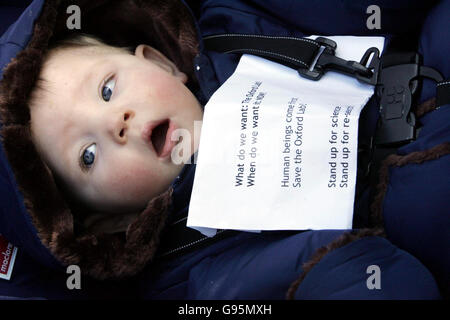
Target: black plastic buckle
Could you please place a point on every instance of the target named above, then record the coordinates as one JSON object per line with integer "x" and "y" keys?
{"x": 397, "y": 87}
{"x": 326, "y": 60}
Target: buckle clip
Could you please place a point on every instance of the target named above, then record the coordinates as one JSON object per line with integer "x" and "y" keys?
{"x": 397, "y": 88}
{"x": 327, "y": 60}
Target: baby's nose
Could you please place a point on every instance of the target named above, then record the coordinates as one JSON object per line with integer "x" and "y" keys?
{"x": 118, "y": 128}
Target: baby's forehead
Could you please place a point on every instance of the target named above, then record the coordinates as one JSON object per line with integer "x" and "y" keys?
{"x": 64, "y": 79}
{"x": 65, "y": 67}
{"x": 82, "y": 54}
{"x": 65, "y": 71}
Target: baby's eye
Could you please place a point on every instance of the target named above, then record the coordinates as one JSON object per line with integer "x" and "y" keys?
{"x": 88, "y": 156}
{"x": 108, "y": 88}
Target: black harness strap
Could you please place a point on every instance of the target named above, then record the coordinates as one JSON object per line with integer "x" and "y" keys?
{"x": 297, "y": 53}
{"x": 443, "y": 93}
{"x": 311, "y": 58}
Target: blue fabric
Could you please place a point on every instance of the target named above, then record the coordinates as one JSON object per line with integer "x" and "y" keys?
{"x": 10, "y": 11}
{"x": 8, "y": 16}
{"x": 30, "y": 280}
{"x": 18, "y": 34}
{"x": 416, "y": 206}
{"x": 401, "y": 276}
{"x": 434, "y": 45}
{"x": 246, "y": 266}
{"x": 253, "y": 266}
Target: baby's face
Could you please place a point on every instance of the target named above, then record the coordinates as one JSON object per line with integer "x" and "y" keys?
{"x": 104, "y": 124}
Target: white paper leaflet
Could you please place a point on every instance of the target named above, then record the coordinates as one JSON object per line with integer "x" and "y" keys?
{"x": 279, "y": 152}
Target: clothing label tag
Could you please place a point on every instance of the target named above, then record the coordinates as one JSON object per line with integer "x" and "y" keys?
{"x": 8, "y": 254}
{"x": 279, "y": 152}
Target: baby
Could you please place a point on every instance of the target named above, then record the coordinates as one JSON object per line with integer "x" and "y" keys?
{"x": 102, "y": 119}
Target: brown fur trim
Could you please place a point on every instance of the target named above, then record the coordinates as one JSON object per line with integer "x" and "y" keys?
{"x": 425, "y": 107}
{"x": 399, "y": 161}
{"x": 166, "y": 25}
{"x": 107, "y": 255}
{"x": 340, "y": 242}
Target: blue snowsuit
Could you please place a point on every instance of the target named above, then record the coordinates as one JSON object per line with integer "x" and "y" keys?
{"x": 413, "y": 257}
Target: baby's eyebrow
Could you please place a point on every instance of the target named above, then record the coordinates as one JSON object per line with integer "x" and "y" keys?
{"x": 86, "y": 80}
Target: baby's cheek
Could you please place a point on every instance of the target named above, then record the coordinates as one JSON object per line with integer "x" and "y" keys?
{"x": 166, "y": 90}
{"x": 134, "y": 182}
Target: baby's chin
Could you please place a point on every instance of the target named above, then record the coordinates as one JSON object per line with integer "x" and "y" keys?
{"x": 140, "y": 200}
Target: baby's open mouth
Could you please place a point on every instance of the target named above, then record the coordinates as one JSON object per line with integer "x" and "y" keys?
{"x": 158, "y": 137}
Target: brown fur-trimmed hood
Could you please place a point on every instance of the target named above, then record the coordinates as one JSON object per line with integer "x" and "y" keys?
{"x": 166, "y": 25}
